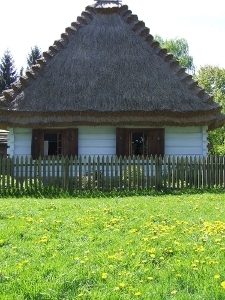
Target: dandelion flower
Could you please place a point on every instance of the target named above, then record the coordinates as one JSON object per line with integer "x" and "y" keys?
{"x": 104, "y": 275}
{"x": 122, "y": 284}
{"x": 173, "y": 292}
{"x": 223, "y": 284}
{"x": 137, "y": 294}
{"x": 217, "y": 276}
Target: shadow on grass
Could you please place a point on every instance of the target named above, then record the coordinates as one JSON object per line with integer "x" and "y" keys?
{"x": 60, "y": 193}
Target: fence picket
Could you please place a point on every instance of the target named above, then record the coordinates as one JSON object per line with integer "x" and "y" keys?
{"x": 125, "y": 175}
{"x": 90, "y": 174}
{"x": 203, "y": 172}
{"x": 182, "y": 172}
{"x": 8, "y": 173}
{"x": 103, "y": 173}
{"x": 12, "y": 163}
{"x": 3, "y": 172}
{"x": 80, "y": 173}
{"x": 112, "y": 183}
{"x": 120, "y": 174}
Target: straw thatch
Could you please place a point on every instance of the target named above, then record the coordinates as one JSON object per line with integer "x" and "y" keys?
{"x": 107, "y": 69}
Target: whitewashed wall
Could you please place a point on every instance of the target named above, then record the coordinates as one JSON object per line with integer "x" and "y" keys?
{"x": 186, "y": 141}
{"x": 101, "y": 140}
{"x": 19, "y": 141}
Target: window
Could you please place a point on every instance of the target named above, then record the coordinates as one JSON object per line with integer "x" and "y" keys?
{"x": 53, "y": 143}
{"x": 48, "y": 142}
{"x": 139, "y": 141}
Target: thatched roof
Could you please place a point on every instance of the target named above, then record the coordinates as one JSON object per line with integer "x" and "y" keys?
{"x": 107, "y": 69}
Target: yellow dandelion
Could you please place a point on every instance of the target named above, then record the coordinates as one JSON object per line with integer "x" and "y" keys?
{"x": 173, "y": 292}
{"x": 137, "y": 294}
{"x": 11, "y": 217}
{"x": 122, "y": 284}
{"x": 223, "y": 284}
{"x": 150, "y": 278}
{"x": 116, "y": 288}
{"x": 104, "y": 275}
{"x": 217, "y": 276}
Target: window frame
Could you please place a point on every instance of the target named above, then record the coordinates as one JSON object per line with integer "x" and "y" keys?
{"x": 156, "y": 140}
{"x": 69, "y": 141}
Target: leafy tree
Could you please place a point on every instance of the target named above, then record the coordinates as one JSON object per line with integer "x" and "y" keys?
{"x": 212, "y": 79}
{"x": 8, "y": 72}
{"x": 180, "y": 49}
{"x": 34, "y": 54}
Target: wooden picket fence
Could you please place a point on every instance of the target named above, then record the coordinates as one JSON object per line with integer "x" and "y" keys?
{"x": 111, "y": 173}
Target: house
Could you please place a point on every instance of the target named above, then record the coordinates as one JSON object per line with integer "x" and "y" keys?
{"x": 106, "y": 87}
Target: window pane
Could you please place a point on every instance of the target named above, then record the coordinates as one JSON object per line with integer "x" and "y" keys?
{"x": 138, "y": 143}
{"x": 52, "y": 148}
{"x": 51, "y": 137}
{"x": 51, "y": 144}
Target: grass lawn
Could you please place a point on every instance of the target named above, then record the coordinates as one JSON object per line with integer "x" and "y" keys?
{"x": 140, "y": 247}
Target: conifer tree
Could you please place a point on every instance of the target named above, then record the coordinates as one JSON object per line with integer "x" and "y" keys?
{"x": 8, "y": 72}
{"x": 34, "y": 54}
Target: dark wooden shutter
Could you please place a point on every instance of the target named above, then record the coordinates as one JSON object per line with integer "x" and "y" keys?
{"x": 121, "y": 142}
{"x": 70, "y": 142}
{"x": 36, "y": 143}
{"x": 157, "y": 141}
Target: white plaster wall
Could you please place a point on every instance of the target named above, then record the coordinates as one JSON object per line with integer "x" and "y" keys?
{"x": 96, "y": 140}
{"x": 101, "y": 140}
{"x": 181, "y": 141}
{"x": 20, "y": 142}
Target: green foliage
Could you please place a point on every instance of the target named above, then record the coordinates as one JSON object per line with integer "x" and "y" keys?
{"x": 212, "y": 79}
{"x": 163, "y": 247}
{"x": 180, "y": 49}
{"x": 34, "y": 54}
{"x": 8, "y": 73}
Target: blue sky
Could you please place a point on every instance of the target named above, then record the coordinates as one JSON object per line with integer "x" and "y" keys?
{"x": 26, "y": 23}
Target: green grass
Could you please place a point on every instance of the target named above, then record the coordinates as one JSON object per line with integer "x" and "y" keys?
{"x": 140, "y": 247}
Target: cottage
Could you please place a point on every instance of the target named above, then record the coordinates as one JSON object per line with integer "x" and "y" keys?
{"x": 106, "y": 87}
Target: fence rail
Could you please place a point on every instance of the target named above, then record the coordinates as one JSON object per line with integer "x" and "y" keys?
{"x": 111, "y": 173}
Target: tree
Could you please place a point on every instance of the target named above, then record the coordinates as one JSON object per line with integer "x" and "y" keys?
{"x": 8, "y": 72}
{"x": 212, "y": 79}
{"x": 34, "y": 54}
{"x": 180, "y": 49}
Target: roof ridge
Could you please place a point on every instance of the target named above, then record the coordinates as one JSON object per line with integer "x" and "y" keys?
{"x": 140, "y": 29}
